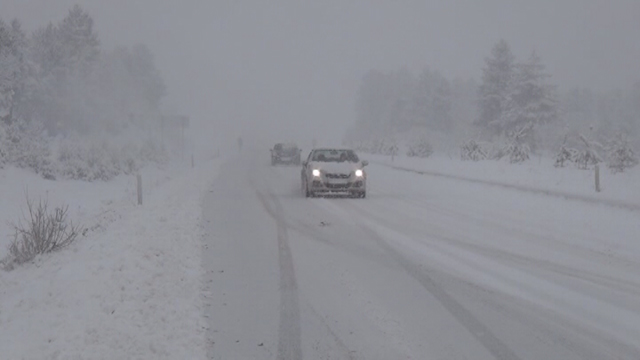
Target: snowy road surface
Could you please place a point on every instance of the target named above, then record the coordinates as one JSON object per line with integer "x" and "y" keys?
{"x": 424, "y": 268}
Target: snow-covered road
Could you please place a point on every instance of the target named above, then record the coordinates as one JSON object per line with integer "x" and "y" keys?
{"x": 424, "y": 268}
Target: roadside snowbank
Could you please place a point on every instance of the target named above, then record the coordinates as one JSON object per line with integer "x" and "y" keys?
{"x": 128, "y": 289}
{"x": 536, "y": 174}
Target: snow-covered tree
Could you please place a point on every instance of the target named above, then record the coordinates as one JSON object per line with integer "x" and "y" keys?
{"x": 565, "y": 154}
{"x": 13, "y": 69}
{"x": 441, "y": 104}
{"x": 65, "y": 55}
{"x": 531, "y": 100}
{"x": 621, "y": 154}
{"x": 517, "y": 148}
{"x": 130, "y": 88}
{"x": 79, "y": 41}
{"x": 589, "y": 155}
{"x": 495, "y": 87}
{"x": 419, "y": 147}
{"x": 473, "y": 151}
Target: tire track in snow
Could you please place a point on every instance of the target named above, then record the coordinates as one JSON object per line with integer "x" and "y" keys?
{"x": 524, "y": 262}
{"x": 289, "y": 339}
{"x": 476, "y": 328}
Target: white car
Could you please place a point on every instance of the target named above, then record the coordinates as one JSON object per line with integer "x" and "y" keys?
{"x": 334, "y": 171}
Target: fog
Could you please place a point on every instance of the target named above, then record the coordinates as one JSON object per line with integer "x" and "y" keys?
{"x": 289, "y": 70}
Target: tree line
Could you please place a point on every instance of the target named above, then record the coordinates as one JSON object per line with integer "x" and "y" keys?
{"x": 61, "y": 77}
{"x": 514, "y": 100}
{"x": 70, "y": 109}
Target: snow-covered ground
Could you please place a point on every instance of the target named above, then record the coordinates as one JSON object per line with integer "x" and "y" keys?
{"x": 128, "y": 289}
{"x": 536, "y": 175}
{"x": 244, "y": 267}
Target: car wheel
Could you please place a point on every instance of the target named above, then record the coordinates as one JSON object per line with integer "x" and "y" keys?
{"x": 363, "y": 194}
{"x": 305, "y": 191}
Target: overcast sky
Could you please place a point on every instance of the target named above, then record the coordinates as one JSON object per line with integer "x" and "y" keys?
{"x": 273, "y": 65}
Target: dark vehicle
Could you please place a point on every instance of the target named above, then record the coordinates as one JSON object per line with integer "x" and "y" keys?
{"x": 334, "y": 172}
{"x": 285, "y": 153}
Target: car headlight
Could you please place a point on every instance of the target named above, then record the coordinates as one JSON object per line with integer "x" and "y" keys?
{"x": 359, "y": 173}
{"x": 315, "y": 172}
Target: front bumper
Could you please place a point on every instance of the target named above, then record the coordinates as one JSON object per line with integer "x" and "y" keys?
{"x": 277, "y": 160}
{"x": 356, "y": 185}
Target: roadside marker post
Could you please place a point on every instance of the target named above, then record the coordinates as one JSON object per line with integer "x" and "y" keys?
{"x": 139, "y": 187}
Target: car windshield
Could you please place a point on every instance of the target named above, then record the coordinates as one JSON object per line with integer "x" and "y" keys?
{"x": 289, "y": 151}
{"x": 286, "y": 149}
{"x": 334, "y": 155}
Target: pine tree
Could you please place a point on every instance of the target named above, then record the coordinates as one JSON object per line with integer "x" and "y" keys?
{"x": 79, "y": 41}
{"x": 441, "y": 104}
{"x": 13, "y": 69}
{"x": 494, "y": 89}
{"x": 531, "y": 100}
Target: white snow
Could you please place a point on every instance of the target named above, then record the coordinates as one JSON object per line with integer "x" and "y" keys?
{"x": 425, "y": 267}
{"x": 128, "y": 289}
{"x": 535, "y": 174}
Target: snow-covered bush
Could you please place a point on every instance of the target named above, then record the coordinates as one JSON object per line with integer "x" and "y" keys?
{"x": 518, "y": 152}
{"x": 517, "y": 148}
{"x": 565, "y": 155}
{"x": 419, "y": 148}
{"x": 43, "y": 231}
{"x": 621, "y": 155}
{"x": 82, "y": 159}
{"x": 26, "y": 145}
{"x": 377, "y": 147}
{"x": 471, "y": 150}
{"x": 389, "y": 148}
{"x": 588, "y": 156}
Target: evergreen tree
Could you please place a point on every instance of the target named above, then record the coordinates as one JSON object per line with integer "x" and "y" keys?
{"x": 441, "y": 104}
{"x": 13, "y": 69}
{"x": 531, "y": 100}
{"x": 494, "y": 89}
{"x": 79, "y": 41}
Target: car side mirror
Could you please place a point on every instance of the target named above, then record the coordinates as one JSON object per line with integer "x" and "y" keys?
{"x": 365, "y": 163}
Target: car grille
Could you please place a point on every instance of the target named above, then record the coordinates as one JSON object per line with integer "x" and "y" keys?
{"x": 337, "y": 186}
{"x": 337, "y": 176}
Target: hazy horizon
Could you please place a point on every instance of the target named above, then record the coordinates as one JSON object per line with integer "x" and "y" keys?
{"x": 290, "y": 70}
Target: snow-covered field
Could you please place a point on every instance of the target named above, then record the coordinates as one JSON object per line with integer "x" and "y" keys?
{"x": 128, "y": 289}
{"x": 536, "y": 175}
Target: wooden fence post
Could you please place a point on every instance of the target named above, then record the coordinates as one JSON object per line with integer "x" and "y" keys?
{"x": 139, "y": 182}
{"x": 597, "y": 178}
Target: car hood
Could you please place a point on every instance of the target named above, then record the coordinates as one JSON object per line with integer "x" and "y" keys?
{"x": 336, "y": 168}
